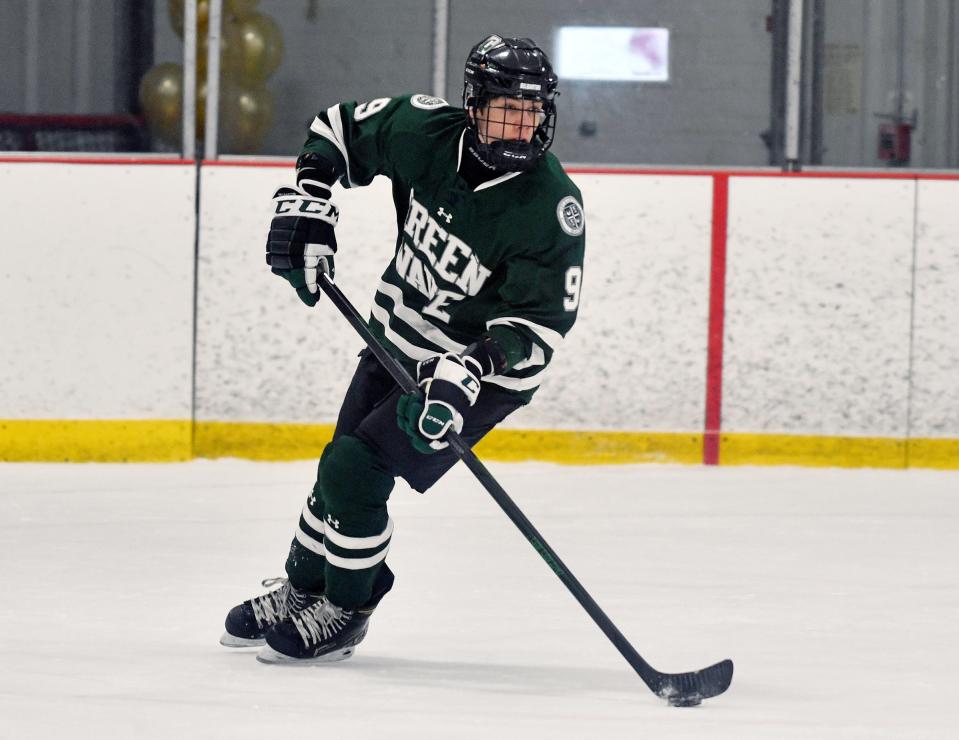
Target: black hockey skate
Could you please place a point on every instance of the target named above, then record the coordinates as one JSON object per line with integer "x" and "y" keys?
{"x": 323, "y": 632}
{"x": 247, "y": 623}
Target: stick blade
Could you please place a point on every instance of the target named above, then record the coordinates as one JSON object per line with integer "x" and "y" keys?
{"x": 689, "y": 689}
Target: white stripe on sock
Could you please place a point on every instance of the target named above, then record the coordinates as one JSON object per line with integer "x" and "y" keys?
{"x": 315, "y": 524}
{"x": 357, "y": 563}
{"x": 359, "y": 543}
{"x": 314, "y": 546}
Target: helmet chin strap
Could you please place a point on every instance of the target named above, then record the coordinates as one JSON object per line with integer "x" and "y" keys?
{"x": 499, "y": 155}
{"x": 474, "y": 149}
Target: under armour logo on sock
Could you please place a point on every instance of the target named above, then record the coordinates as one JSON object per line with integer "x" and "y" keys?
{"x": 335, "y": 523}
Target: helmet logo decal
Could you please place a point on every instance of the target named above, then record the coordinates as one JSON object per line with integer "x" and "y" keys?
{"x": 491, "y": 43}
{"x": 427, "y": 102}
{"x": 572, "y": 220}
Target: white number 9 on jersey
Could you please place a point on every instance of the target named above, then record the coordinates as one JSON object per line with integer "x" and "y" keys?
{"x": 574, "y": 278}
{"x": 365, "y": 110}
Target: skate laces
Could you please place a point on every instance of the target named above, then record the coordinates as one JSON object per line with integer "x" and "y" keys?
{"x": 275, "y": 606}
{"x": 298, "y": 600}
{"x": 320, "y": 621}
{"x": 272, "y": 607}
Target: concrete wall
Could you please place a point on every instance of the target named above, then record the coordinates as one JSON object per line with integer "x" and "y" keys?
{"x": 861, "y": 77}
{"x": 712, "y": 111}
{"x": 75, "y": 60}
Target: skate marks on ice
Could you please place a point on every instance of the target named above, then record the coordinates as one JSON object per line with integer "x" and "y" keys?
{"x": 118, "y": 578}
{"x": 494, "y": 678}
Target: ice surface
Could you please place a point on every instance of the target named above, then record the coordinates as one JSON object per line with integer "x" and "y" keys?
{"x": 836, "y": 593}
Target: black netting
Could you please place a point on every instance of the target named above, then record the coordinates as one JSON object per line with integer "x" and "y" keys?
{"x": 11, "y": 140}
{"x": 72, "y": 134}
{"x": 74, "y": 140}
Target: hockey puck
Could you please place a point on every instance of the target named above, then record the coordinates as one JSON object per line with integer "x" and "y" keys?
{"x": 685, "y": 701}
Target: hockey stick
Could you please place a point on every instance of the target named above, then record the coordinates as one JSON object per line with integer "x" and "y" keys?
{"x": 679, "y": 689}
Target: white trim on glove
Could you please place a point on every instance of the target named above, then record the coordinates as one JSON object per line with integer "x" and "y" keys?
{"x": 314, "y": 263}
{"x": 452, "y": 369}
{"x": 293, "y": 201}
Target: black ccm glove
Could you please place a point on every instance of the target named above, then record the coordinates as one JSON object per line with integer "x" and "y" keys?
{"x": 450, "y": 385}
{"x": 301, "y": 243}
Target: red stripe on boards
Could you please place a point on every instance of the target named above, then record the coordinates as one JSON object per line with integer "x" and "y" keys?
{"x": 248, "y": 163}
{"x": 66, "y": 159}
{"x": 717, "y": 320}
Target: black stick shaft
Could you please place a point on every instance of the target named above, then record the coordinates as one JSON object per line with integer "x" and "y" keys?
{"x": 403, "y": 379}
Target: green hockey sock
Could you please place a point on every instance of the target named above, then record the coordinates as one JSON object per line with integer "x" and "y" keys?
{"x": 357, "y": 528}
{"x": 306, "y": 560}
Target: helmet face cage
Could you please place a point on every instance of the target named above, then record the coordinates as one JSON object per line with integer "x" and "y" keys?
{"x": 513, "y": 134}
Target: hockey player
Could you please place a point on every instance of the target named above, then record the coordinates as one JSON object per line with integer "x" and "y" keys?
{"x": 484, "y": 284}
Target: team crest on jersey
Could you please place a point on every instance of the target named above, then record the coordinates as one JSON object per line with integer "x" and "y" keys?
{"x": 571, "y": 217}
{"x": 427, "y": 102}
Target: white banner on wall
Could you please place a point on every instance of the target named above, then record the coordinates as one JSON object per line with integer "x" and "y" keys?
{"x": 616, "y": 53}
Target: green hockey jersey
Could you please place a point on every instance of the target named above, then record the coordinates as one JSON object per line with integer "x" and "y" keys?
{"x": 504, "y": 259}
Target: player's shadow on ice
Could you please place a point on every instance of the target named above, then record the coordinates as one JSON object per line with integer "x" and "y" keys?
{"x": 493, "y": 677}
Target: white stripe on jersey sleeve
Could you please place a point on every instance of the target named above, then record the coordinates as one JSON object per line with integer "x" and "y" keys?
{"x": 334, "y": 134}
{"x": 336, "y": 121}
{"x": 516, "y": 384}
{"x": 537, "y": 357}
{"x": 419, "y": 353}
{"x": 551, "y": 338}
{"x": 304, "y": 182}
{"x": 436, "y": 336}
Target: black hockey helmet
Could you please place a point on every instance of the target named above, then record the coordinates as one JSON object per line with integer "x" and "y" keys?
{"x": 516, "y": 68}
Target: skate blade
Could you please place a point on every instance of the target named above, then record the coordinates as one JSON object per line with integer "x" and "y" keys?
{"x": 232, "y": 641}
{"x": 271, "y": 656}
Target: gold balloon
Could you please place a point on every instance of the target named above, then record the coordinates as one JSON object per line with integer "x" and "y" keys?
{"x": 246, "y": 115}
{"x": 262, "y": 42}
{"x": 161, "y": 93}
{"x": 177, "y": 14}
{"x": 246, "y": 110}
{"x": 255, "y": 47}
{"x": 240, "y": 7}
{"x": 231, "y": 8}
{"x": 228, "y": 45}
{"x": 200, "y": 109}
